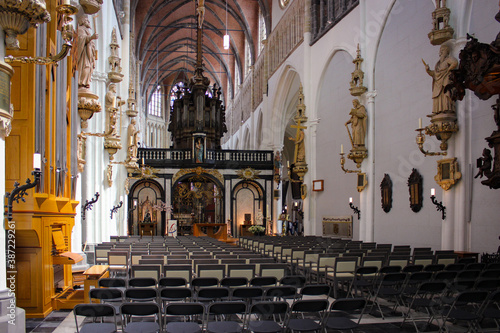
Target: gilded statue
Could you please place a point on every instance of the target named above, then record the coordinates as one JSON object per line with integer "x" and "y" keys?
{"x": 87, "y": 52}
{"x": 300, "y": 146}
{"x": 442, "y": 102}
{"x": 358, "y": 123}
{"x": 133, "y": 140}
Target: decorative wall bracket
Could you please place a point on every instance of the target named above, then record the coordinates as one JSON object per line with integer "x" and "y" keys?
{"x": 114, "y": 210}
{"x": 342, "y": 163}
{"x": 354, "y": 208}
{"x": 447, "y": 173}
{"x": 19, "y": 192}
{"x": 7, "y": 21}
{"x": 439, "y": 205}
{"x": 420, "y": 142}
{"x": 89, "y": 204}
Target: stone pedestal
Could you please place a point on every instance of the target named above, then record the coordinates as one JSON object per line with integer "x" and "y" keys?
{"x": 88, "y": 104}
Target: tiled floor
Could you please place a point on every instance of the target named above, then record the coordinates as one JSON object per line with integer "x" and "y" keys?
{"x": 48, "y": 324}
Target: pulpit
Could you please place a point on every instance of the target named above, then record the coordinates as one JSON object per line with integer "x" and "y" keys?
{"x": 220, "y": 234}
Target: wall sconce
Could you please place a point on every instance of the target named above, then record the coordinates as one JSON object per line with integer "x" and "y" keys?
{"x": 20, "y": 191}
{"x": 89, "y": 204}
{"x": 443, "y": 126}
{"x": 67, "y": 32}
{"x": 342, "y": 161}
{"x": 115, "y": 208}
{"x": 439, "y": 205}
{"x": 354, "y": 208}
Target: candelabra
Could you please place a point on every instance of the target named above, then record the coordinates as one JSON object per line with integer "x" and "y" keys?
{"x": 115, "y": 209}
{"x": 439, "y": 205}
{"x": 89, "y": 204}
{"x": 354, "y": 208}
{"x": 19, "y": 191}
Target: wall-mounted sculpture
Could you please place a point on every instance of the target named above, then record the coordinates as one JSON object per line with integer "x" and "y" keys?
{"x": 441, "y": 30}
{"x": 132, "y": 145}
{"x": 443, "y": 116}
{"x": 299, "y": 166}
{"x": 111, "y": 136}
{"x": 357, "y": 135}
{"x": 114, "y": 60}
{"x": 91, "y": 6}
{"x": 386, "y": 193}
{"x": 478, "y": 71}
{"x": 415, "y": 187}
{"x": 88, "y": 102}
{"x": 357, "y": 87}
{"x": 131, "y": 111}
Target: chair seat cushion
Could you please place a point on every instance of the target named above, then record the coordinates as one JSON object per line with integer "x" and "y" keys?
{"x": 183, "y": 327}
{"x": 98, "y": 327}
{"x": 224, "y": 327}
{"x": 303, "y": 325}
{"x": 264, "y": 326}
{"x": 341, "y": 323}
{"x": 141, "y": 327}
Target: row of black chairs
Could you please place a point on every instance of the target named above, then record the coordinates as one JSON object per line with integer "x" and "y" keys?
{"x": 224, "y": 316}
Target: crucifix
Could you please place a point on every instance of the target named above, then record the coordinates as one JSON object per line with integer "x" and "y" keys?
{"x": 299, "y": 154}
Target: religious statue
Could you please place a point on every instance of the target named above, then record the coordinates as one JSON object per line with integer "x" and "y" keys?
{"x": 198, "y": 150}
{"x": 300, "y": 146}
{"x": 442, "y": 102}
{"x": 200, "y": 11}
{"x": 133, "y": 140}
{"x": 277, "y": 167}
{"x": 484, "y": 164}
{"x": 110, "y": 100}
{"x": 358, "y": 122}
{"x": 87, "y": 52}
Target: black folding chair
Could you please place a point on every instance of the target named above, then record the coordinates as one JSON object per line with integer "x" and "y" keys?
{"x": 426, "y": 301}
{"x": 225, "y": 315}
{"x": 390, "y": 288}
{"x": 143, "y": 311}
{"x": 184, "y": 317}
{"x": 465, "y": 307}
{"x": 307, "y": 315}
{"x": 341, "y": 310}
{"x": 269, "y": 317}
{"x": 95, "y": 311}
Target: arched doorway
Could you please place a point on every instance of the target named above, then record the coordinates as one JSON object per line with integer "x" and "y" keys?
{"x": 197, "y": 198}
{"x": 144, "y": 195}
{"x": 247, "y": 204}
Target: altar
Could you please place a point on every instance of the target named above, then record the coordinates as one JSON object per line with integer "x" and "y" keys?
{"x": 220, "y": 234}
{"x": 148, "y": 228}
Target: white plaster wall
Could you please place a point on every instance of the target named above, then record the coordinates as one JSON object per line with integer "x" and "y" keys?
{"x": 404, "y": 95}
{"x": 484, "y": 226}
{"x": 334, "y": 104}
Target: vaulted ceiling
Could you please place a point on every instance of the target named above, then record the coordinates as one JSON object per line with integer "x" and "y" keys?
{"x": 165, "y": 40}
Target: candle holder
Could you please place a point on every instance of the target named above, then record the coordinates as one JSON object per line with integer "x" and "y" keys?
{"x": 19, "y": 192}
{"x": 342, "y": 163}
{"x": 439, "y": 206}
{"x": 89, "y": 204}
{"x": 115, "y": 209}
{"x": 355, "y": 209}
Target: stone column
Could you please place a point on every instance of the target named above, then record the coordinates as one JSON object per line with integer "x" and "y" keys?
{"x": 368, "y": 196}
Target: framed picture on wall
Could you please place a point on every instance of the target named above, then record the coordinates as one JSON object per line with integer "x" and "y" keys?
{"x": 318, "y": 185}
